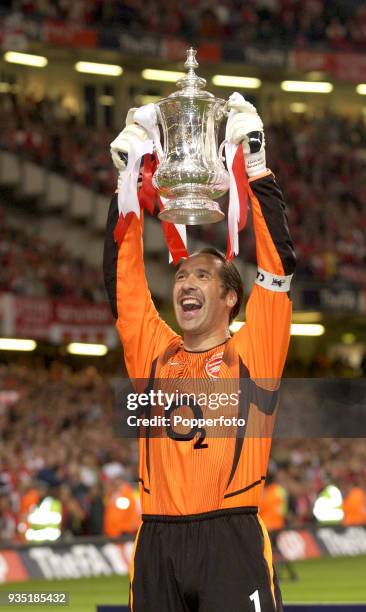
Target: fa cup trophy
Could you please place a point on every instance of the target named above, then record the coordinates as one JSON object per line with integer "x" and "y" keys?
{"x": 191, "y": 174}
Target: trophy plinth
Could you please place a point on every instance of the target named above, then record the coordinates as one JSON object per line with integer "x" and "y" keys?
{"x": 191, "y": 173}
{"x": 189, "y": 211}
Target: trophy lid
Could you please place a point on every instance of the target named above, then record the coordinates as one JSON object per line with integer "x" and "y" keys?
{"x": 191, "y": 85}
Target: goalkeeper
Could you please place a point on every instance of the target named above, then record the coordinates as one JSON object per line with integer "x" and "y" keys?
{"x": 202, "y": 545}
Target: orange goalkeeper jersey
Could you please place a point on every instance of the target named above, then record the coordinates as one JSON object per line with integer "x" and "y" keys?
{"x": 193, "y": 470}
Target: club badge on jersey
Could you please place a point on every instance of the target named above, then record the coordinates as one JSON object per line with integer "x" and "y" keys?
{"x": 213, "y": 365}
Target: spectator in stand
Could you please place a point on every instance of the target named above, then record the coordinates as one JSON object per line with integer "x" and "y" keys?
{"x": 95, "y": 515}
{"x": 73, "y": 515}
{"x": 30, "y": 495}
{"x": 121, "y": 509}
{"x": 354, "y": 501}
{"x": 273, "y": 507}
{"x": 8, "y": 519}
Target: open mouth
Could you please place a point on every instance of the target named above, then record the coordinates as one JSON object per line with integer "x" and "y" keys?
{"x": 189, "y": 304}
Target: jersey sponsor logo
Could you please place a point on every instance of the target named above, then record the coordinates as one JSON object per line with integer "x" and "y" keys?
{"x": 213, "y": 365}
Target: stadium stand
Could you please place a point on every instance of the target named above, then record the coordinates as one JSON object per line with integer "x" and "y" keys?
{"x": 45, "y": 132}
{"x": 321, "y": 162}
{"x": 340, "y": 24}
{"x": 31, "y": 266}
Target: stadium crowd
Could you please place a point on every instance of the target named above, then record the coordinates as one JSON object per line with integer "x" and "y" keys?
{"x": 31, "y": 266}
{"x": 337, "y": 23}
{"x": 47, "y": 132}
{"x": 58, "y": 440}
{"x": 320, "y": 163}
{"x": 304, "y": 468}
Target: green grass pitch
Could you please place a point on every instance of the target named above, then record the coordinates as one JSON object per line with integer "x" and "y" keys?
{"x": 319, "y": 580}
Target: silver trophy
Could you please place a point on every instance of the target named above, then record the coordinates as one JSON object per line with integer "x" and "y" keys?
{"x": 191, "y": 173}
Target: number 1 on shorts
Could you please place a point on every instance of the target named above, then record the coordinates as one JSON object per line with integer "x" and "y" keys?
{"x": 254, "y": 597}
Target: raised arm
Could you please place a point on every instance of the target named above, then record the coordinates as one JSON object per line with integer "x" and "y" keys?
{"x": 268, "y": 311}
{"x": 142, "y": 332}
{"x": 263, "y": 340}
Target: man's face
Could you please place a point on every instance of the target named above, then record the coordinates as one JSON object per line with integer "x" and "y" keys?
{"x": 198, "y": 295}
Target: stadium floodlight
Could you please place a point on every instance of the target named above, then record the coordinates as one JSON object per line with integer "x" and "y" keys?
{"x": 168, "y": 76}
{"x": 307, "y": 316}
{"x": 96, "y": 68}
{"x": 361, "y": 89}
{"x": 225, "y": 80}
{"x": 307, "y": 329}
{"x": 14, "y": 57}
{"x": 307, "y": 86}
{"x": 17, "y": 344}
{"x": 84, "y": 348}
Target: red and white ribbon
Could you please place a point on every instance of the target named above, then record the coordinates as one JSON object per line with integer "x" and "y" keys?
{"x": 175, "y": 237}
{"x": 130, "y": 200}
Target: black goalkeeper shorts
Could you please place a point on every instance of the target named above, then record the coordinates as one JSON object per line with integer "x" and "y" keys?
{"x": 215, "y": 562}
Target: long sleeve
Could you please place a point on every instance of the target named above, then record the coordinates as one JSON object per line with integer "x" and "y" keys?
{"x": 275, "y": 251}
{"x": 142, "y": 332}
{"x": 110, "y": 256}
{"x": 263, "y": 341}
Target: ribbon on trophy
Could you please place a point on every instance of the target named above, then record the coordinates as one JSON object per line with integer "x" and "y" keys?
{"x": 131, "y": 200}
{"x": 240, "y": 191}
{"x": 175, "y": 235}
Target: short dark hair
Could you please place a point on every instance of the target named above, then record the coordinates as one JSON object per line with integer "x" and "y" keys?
{"x": 229, "y": 275}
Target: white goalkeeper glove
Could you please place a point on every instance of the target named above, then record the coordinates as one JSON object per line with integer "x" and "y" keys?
{"x": 246, "y": 127}
{"x": 120, "y": 146}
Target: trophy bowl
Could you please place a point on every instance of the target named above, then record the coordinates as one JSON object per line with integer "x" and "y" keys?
{"x": 191, "y": 173}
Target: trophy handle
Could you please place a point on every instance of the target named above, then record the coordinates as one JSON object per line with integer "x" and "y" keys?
{"x": 158, "y": 147}
{"x": 226, "y": 110}
{"x": 221, "y": 148}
